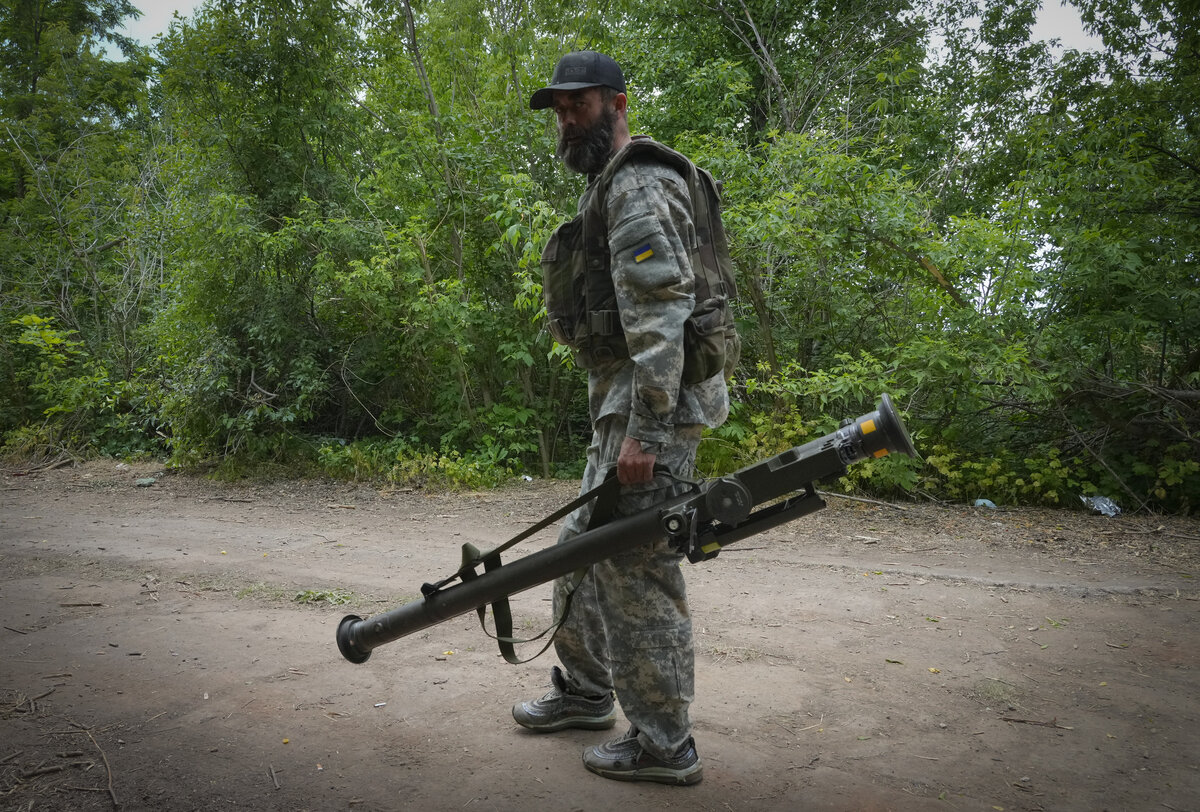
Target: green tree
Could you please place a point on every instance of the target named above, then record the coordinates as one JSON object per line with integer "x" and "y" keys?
{"x": 72, "y": 123}
{"x": 263, "y": 149}
{"x": 325, "y": 229}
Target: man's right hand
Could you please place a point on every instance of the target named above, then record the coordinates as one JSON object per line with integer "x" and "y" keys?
{"x": 634, "y": 466}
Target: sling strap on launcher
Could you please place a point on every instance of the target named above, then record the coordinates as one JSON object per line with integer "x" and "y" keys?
{"x": 700, "y": 523}
{"x": 604, "y": 501}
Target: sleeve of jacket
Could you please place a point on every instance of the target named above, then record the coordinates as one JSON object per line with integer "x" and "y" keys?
{"x": 650, "y": 229}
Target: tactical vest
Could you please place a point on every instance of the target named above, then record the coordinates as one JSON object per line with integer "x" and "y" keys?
{"x": 581, "y": 302}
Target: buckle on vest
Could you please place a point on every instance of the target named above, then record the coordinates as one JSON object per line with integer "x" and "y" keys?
{"x": 602, "y": 322}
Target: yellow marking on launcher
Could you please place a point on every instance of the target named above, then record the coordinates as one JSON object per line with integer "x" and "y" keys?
{"x": 868, "y": 426}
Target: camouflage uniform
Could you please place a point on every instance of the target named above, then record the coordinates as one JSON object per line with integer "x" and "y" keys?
{"x": 629, "y": 628}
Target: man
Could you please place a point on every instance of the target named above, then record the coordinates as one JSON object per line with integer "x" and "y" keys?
{"x": 628, "y": 628}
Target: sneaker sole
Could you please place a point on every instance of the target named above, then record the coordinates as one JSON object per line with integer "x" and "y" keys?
{"x": 578, "y": 722}
{"x": 657, "y": 775}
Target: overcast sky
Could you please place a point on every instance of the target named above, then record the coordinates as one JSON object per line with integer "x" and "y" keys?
{"x": 156, "y": 17}
{"x": 1054, "y": 21}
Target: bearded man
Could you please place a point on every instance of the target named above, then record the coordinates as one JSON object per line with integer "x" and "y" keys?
{"x": 628, "y": 630}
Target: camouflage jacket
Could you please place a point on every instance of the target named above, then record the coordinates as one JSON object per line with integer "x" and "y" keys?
{"x": 650, "y": 231}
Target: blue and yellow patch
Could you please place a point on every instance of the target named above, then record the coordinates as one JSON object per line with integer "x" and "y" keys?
{"x": 644, "y": 253}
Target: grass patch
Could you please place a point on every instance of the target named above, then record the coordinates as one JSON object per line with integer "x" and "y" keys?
{"x": 332, "y": 597}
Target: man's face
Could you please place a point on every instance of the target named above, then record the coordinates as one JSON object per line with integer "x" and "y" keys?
{"x": 585, "y": 129}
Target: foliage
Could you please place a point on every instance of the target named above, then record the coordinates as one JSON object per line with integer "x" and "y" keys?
{"x": 81, "y": 405}
{"x": 401, "y": 462}
{"x": 307, "y": 235}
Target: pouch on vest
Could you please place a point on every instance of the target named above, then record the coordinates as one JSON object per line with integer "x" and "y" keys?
{"x": 704, "y": 341}
{"x": 563, "y": 265}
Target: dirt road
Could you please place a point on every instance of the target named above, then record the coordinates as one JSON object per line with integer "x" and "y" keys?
{"x": 866, "y": 657}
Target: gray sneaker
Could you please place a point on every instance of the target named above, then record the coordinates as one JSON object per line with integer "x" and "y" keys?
{"x": 626, "y": 760}
{"x": 560, "y": 709}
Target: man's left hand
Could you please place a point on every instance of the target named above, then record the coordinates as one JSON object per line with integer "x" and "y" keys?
{"x": 634, "y": 465}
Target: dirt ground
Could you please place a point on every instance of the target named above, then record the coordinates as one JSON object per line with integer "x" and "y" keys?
{"x": 866, "y": 657}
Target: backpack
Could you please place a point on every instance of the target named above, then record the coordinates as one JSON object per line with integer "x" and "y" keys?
{"x": 577, "y": 284}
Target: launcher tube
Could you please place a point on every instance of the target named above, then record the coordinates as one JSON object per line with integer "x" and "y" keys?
{"x": 357, "y": 637}
{"x": 698, "y": 524}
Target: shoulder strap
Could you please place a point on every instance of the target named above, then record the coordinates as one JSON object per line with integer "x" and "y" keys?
{"x": 643, "y": 146}
{"x": 605, "y": 496}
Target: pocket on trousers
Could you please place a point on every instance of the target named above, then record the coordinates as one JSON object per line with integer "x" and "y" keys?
{"x": 666, "y": 638}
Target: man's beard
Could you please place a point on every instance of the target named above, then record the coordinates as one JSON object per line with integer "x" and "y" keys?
{"x": 591, "y": 152}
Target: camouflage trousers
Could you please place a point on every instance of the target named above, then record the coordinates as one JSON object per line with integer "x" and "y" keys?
{"x": 629, "y": 629}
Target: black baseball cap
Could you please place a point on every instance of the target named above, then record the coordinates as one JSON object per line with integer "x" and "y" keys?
{"x": 577, "y": 70}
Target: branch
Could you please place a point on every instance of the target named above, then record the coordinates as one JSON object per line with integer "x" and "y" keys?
{"x": 419, "y": 66}
{"x": 269, "y": 395}
{"x": 922, "y": 260}
{"x": 1096, "y": 455}
{"x": 1179, "y": 158}
{"x": 113, "y": 243}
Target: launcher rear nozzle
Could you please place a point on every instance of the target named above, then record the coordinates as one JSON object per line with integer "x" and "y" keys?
{"x": 346, "y": 643}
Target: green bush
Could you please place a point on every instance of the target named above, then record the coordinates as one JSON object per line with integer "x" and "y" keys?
{"x": 401, "y": 462}
{"x": 80, "y": 407}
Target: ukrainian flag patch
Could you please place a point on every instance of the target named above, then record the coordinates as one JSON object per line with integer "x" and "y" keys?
{"x": 644, "y": 253}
